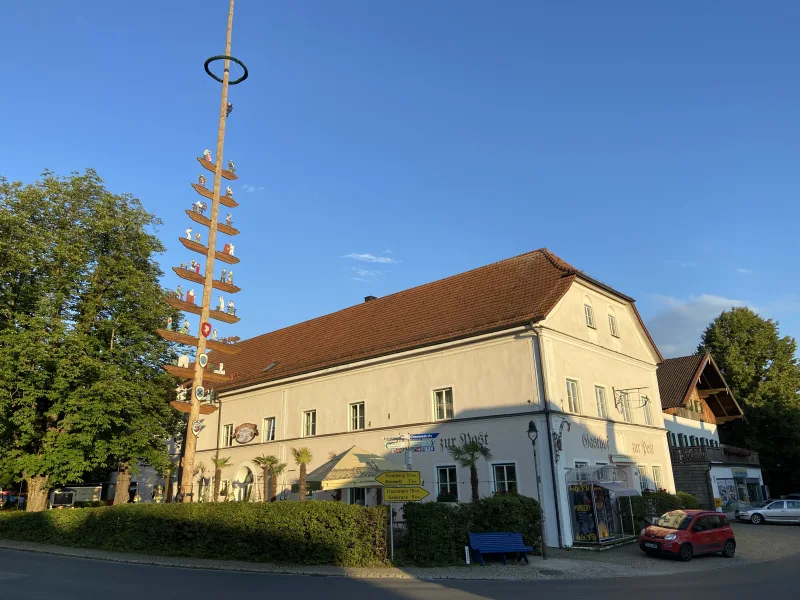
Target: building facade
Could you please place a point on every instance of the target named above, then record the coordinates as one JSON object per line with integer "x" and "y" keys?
{"x": 477, "y": 356}
{"x": 696, "y": 399}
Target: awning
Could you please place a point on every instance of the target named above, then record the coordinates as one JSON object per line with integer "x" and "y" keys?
{"x": 618, "y": 489}
{"x": 351, "y": 469}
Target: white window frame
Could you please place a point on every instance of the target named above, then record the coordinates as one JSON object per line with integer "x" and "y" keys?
{"x": 625, "y": 403}
{"x": 644, "y": 478}
{"x": 648, "y": 414}
{"x": 577, "y": 401}
{"x": 504, "y": 463}
{"x": 658, "y": 482}
{"x": 612, "y": 325}
{"x": 313, "y": 413}
{"x": 436, "y": 477}
{"x": 266, "y": 429}
{"x": 227, "y": 436}
{"x": 363, "y": 416}
{"x": 580, "y": 463}
{"x": 434, "y": 398}
{"x": 588, "y": 312}
{"x": 602, "y": 406}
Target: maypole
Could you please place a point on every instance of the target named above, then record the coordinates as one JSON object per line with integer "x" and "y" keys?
{"x": 200, "y": 401}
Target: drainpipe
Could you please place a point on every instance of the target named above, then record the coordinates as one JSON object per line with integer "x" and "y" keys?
{"x": 547, "y": 412}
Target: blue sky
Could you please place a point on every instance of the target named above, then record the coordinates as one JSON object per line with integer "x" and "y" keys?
{"x": 381, "y": 145}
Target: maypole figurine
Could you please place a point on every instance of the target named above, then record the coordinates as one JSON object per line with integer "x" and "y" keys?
{"x": 190, "y": 296}
{"x": 189, "y": 233}
{"x": 180, "y": 393}
{"x": 183, "y": 361}
{"x": 231, "y": 167}
{"x": 214, "y": 334}
{"x": 179, "y": 291}
{"x": 231, "y": 309}
{"x": 221, "y": 303}
{"x": 230, "y": 277}
{"x": 222, "y": 277}
{"x": 207, "y": 154}
{"x": 228, "y": 109}
{"x": 229, "y": 192}
{"x": 199, "y": 207}
{"x": 201, "y": 179}
{"x": 230, "y": 249}
{"x": 183, "y": 266}
{"x": 169, "y": 323}
{"x": 185, "y": 327}
{"x": 197, "y": 237}
{"x": 229, "y": 220}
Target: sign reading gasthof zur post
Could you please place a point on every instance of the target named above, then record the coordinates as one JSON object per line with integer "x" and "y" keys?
{"x": 404, "y": 494}
{"x": 399, "y": 478}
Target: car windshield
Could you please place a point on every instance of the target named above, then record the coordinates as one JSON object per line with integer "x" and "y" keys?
{"x": 676, "y": 519}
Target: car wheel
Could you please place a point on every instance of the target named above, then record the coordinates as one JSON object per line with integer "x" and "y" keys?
{"x": 756, "y": 519}
{"x": 685, "y": 553}
{"x": 730, "y": 549}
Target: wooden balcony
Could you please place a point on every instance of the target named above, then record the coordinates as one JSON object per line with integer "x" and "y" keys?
{"x": 706, "y": 454}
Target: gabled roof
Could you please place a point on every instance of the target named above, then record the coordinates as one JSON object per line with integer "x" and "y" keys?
{"x": 678, "y": 377}
{"x": 505, "y": 294}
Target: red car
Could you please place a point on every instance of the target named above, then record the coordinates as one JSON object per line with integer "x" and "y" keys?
{"x": 685, "y": 533}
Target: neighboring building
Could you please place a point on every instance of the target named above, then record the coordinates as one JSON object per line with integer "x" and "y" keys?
{"x": 695, "y": 400}
{"x": 475, "y": 356}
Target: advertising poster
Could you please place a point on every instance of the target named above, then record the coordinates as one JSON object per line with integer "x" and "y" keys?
{"x": 583, "y": 523}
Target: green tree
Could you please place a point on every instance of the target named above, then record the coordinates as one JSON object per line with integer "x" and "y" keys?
{"x": 265, "y": 462}
{"x": 761, "y": 369}
{"x": 467, "y": 455}
{"x": 219, "y": 464}
{"x": 274, "y": 472}
{"x": 80, "y": 381}
{"x": 302, "y": 457}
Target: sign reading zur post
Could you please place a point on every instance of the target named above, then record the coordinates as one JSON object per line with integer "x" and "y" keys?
{"x": 404, "y": 494}
{"x": 399, "y": 478}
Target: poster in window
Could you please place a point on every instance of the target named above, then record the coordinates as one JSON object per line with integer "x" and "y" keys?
{"x": 604, "y": 511}
{"x": 727, "y": 493}
{"x": 583, "y": 522}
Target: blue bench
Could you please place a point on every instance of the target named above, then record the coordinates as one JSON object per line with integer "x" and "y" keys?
{"x": 498, "y": 543}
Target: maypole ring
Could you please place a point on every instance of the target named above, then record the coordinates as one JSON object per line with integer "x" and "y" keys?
{"x": 225, "y": 57}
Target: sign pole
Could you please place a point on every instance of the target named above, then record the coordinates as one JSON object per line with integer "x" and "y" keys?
{"x": 391, "y": 530}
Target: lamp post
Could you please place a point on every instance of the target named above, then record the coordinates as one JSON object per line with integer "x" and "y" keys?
{"x": 533, "y": 434}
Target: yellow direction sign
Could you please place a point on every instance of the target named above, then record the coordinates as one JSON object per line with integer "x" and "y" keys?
{"x": 399, "y": 478}
{"x": 404, "y": 494}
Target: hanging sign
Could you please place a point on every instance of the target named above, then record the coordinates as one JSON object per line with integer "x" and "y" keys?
{"x": 205, "y": 328}
{"x": 245, "y": 432}
{"x": 203, "y": 360}
{"x": 197, "y": 427}
{"x": 199, "y": 392}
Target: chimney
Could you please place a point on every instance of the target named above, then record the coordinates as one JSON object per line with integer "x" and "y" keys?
{"x": 370, "y": 298}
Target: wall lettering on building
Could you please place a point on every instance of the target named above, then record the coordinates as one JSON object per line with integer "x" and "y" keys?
{"x": 594, "y": 442}
{"x": 642, "y": 448}
{"x": 445, "y": 443}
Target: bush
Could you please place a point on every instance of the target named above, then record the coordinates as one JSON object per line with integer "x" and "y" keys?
{"x": 687, "y": 500}
{"x": 437, "y": 533}
{"x": 280, "y": 532}
{"x": 655, "y": 504}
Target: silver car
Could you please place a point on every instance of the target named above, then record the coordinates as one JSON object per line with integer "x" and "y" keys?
{"x": 771, "y": 511}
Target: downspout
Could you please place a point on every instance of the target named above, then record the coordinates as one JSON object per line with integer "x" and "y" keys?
{"x": 547, "y": 413}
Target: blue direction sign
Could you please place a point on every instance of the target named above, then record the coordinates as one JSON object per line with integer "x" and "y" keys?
{"x": 423, "y": 436}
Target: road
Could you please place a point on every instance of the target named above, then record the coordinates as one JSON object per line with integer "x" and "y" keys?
{"x": 30, "y": 575}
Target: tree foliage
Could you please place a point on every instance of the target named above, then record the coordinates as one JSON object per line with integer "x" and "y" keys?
{"x": 302, "y": 457}
{"x": 467, "y": 455}
{"x": 80, "y": 381}
{"x": 762, "y": 371}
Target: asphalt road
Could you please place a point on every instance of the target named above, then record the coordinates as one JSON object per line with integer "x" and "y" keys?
{"x": 30, "y": 575}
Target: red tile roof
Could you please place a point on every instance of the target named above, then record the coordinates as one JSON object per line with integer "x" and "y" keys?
{"x": 676, "y": 377}
{"x": 498, "y": 296}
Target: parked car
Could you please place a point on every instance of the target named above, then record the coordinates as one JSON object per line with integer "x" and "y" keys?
{"x": 771, "y": 511}
{"x": 686, "y": 533}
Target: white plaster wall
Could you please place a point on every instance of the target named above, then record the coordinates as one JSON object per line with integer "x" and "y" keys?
{"x": 689, "y": 427}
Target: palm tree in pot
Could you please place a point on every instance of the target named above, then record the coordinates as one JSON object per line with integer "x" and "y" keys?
{"x": 219, "y": 464}
{"x": 274, "y": 471}
{"x": 467, "y": 455}
{"x": 302, "y": 457}
{"x": 266, "y": 463}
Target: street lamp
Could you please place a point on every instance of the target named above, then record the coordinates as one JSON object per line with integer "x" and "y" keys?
{"x": 533, "y": 434}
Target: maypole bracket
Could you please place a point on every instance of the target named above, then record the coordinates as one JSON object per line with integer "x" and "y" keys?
{"x": 225, "y": 57}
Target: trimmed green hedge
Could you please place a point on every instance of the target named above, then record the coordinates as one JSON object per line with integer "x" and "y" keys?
{"x": 436, "y": 533}
{"x": 280, "y": 532}
{"x": 655, "y": 504}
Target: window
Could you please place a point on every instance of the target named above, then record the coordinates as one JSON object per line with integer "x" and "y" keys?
{"x": 793, "y": 505}
{"x": 648, "y": 416}
{"x": 581, "y": 476}
{"x": 625, "y": 406}
{"x": 587, "y": 309}
{"x": 447, "y": 481}
{"x": 505, "y": 478}
{"x": 227, "y": 435}
{"x": 268, "y": 429}
{"x": 358, "y": 496}
{"x": 692, "y": 440}
{"x": 600, "y": 396}
{"x": 356, "y": 416}
{"x": 572, "y": 396}
{"x": 657, "y": 477}
{"x": 443, "y": 399}
{"x": 643, "y": 477}
{"x": 309, "y": 423}
{"x": 612, "y": 325}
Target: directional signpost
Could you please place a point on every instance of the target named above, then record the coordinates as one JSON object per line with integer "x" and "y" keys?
{"x": 404, "y": 494}
{"x": 399, "y": 478}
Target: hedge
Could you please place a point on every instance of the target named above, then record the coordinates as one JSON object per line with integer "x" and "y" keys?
{"x": 436, "y": 533}
{"x": 655, "y": 504}
{"x": 281, "y": 532}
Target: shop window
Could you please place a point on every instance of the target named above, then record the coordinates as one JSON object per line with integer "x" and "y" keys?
{"x": 573, "y": 398}
{"x": 268, "y": 429}
{"x": 505, "y": 478}
{"x": 227, "y": 435}
{"x": 358, "y": 496}
{"x": 309, "y": 423}
{"x": 447, "y": 481}
{"x": 443, "y": 403}
{"x": 581, "y": 476}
